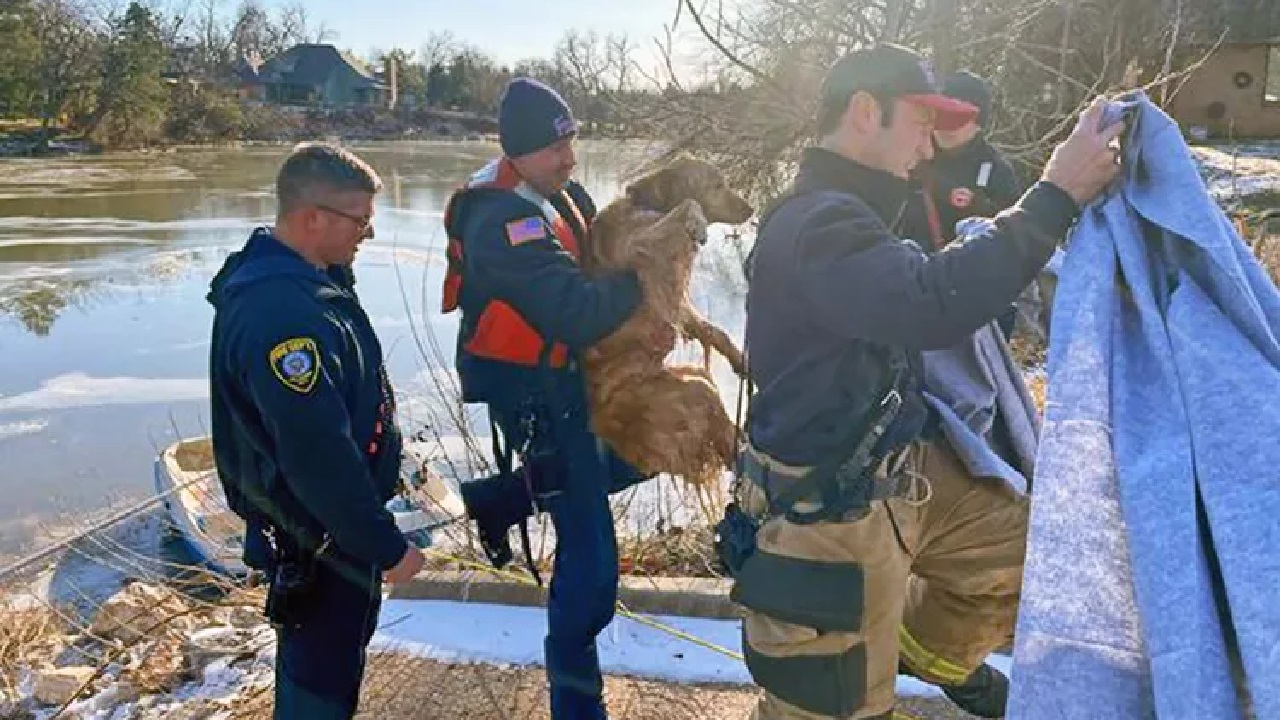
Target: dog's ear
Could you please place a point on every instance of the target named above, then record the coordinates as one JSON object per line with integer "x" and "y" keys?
{"x": 656, "y": 191}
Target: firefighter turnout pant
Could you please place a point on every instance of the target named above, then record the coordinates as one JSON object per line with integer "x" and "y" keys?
{"x": 932, "y": 577}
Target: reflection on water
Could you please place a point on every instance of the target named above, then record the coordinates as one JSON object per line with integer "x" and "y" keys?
{"x": 104, "y": 266}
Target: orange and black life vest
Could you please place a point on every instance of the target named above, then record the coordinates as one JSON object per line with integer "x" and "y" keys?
{"x": 500, "y": 332}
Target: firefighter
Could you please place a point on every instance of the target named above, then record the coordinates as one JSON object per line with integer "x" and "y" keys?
{"x": 872, "y": 543}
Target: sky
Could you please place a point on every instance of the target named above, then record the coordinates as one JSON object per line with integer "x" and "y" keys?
{"x": 509, "y": 30}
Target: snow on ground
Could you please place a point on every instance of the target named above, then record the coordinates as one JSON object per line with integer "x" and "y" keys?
{"x": 505, "y": 635}
{"x": 1235, "y": 173}
{"x": 466, "y": 633}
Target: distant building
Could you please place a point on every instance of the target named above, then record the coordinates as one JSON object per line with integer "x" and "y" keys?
{"x": 1234, "y": 93}
{"x": 314, "y": 74}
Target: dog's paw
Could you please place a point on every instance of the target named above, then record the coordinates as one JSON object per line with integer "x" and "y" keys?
{"x": 695, "y": 222}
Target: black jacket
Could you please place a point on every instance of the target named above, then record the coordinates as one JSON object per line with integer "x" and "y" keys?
{"x": 832, "y": 288}
{"x": 298, "y": 387}
{"x": 970, "y": 181}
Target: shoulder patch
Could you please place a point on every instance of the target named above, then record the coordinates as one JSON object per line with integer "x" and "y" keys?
{"x": 296, "y": 363}
{"x": 524, "y": 230}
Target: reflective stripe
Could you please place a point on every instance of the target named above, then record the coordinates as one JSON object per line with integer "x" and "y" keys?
{"x": 930, "y": 666}
{"x": 984, "y": 174}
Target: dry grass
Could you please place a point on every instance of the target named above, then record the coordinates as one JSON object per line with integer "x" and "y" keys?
{"x": 1268, "y": 251}
{"x": 399, "y": 687}
{"x": 676, "y": 552}
{"x": 145, "y": 638}
{"x": 27, "y": 637}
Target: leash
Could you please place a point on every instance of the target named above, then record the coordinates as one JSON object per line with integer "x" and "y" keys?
{"x": 503, "y": 454}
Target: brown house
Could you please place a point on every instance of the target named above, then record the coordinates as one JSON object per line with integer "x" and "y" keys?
{"x": 1234, "y": 93}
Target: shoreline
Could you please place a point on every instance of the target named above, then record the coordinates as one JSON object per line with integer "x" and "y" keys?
{"x": 25, "y": 149}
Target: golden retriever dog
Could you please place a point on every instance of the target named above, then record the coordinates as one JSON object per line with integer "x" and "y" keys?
{"x": 663, "y": 418}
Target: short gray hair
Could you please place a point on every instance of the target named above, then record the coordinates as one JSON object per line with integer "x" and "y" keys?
{"x": 314, "y": 168}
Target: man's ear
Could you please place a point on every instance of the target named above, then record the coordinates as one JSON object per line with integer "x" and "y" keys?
{"x": 863, "y": 111}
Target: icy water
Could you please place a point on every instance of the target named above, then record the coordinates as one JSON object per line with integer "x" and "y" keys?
{"x": 104, "y": 265}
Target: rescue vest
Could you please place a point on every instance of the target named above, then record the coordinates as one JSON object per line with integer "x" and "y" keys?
{"x": 500, "y": 332}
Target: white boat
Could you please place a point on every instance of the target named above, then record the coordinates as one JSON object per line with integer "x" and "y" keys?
{"x": 199, "y": 515}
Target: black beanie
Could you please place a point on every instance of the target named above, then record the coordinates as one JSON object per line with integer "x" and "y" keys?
{"x": 972, "y": 89}
{"x": 531, "y": 117}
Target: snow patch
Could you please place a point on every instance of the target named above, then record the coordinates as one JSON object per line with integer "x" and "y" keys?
{"x": 504, "y": 635}
{"x": 24, "y": 427}
{"x": 78, "y": 390}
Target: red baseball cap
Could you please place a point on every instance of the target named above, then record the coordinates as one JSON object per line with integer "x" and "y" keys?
{"x": 891, "y": 71}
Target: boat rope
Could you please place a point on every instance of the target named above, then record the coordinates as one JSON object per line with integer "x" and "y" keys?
{"x": 142, "y": 506}
{"x": 148, "y": 503}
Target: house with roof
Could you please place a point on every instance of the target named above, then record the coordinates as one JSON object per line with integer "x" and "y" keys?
{"x": 315, "y": 74}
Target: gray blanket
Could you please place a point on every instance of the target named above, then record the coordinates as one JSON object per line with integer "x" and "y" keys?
{"x": 973, "y": 384}
{"x": 1158, "y": 465}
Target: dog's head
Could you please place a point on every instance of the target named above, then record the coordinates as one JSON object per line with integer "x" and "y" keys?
{"x": 686, "y": 178}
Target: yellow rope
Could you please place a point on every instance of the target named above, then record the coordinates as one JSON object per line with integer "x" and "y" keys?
{"x": 622, "y": 609}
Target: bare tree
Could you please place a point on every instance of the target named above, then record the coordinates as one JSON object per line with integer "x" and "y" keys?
{"x": 1045, "y": 58}
{"x": 439, "y": 47}
{"x": 296, "y": 26}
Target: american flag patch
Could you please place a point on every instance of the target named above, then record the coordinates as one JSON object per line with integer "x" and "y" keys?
{"x": 522, "y": 231}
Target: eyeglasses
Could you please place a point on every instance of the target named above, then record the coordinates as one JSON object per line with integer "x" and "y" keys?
{"x": 363, "y": 222}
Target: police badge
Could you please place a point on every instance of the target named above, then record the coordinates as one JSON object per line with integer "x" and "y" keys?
{"x": 296, "y": 363}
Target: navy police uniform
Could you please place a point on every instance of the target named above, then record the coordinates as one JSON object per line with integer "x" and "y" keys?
{"x": 308, "y": 454}
{"x": 528, "y": 311}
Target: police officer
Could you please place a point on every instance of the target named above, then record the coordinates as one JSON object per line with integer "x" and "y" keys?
{"x": 966, "y": 177}
{"x": 517, "y": 230}
{"x": 304, "y": 434}
{"x": 873, "y": 538}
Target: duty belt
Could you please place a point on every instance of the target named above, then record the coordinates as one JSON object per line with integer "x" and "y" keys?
{"x": 889, "y": 479}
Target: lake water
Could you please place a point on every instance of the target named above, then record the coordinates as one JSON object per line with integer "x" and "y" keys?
{"x": 104, "y": 265}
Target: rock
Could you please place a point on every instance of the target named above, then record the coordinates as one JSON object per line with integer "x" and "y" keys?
{"x": 56, "y": 686}
{"x": 245, "y": 618}
{"x": 204, "y": 646}
{"x": 127, "y": 692}
{"x": 194, "y": 710}
{"x": 163, "y": 667}
{"x": 135, "y": 612}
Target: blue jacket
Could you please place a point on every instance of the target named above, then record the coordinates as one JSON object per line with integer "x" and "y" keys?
{"x": 1158, "y": 460}
{"x": 541, "y": 281}
{"x": 298, "y": 390}
{"x": 833, "y": 289}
